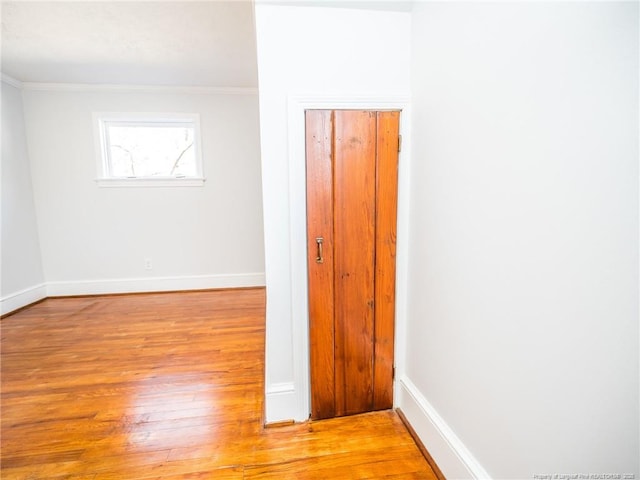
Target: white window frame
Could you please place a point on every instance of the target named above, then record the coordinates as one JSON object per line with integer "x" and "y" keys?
{"x": 105, "y": 179}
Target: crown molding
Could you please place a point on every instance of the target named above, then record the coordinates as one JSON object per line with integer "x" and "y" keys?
{"x": 113, "y": 88}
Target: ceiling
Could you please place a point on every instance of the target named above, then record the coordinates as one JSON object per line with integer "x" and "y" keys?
{"x": 181, "y": 43}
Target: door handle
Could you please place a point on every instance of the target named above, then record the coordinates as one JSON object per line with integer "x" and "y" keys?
{"x": 319, "y": 256}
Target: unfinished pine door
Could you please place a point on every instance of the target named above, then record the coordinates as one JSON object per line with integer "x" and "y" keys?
{"x": 352, "y": 177}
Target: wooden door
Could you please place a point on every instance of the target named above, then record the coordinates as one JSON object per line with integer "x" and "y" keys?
{"x": 352, "y": 176}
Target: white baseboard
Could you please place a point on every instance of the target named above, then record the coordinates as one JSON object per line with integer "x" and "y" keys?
{"x": 280, "y": 401}
{"x": 30, "y": 295}
{"x": 22, "y": 298}
{"x": 452, "y": 457}
{"x": 154, "y": 284}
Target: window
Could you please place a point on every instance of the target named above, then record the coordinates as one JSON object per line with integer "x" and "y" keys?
{"x": 148, "y": 149}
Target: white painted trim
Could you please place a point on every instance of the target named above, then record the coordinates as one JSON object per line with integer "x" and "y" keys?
{"x": 451, "y": 455}
{"x": 102, "y": 88}
{"x": 402, "y": 245}
{"x": 150, "y": 182}
{"x": 280, "y": 401}
{"x": 20, "y": 299}
{"x": 12, "y": 81}
{"x": 297, "y": 104}
{"x": 154, "y": 284}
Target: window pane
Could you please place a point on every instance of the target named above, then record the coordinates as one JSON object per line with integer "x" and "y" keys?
{"x": 151, "y": 151}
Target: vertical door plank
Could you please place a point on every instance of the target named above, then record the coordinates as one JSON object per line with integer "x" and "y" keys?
{"x": 354, "y": 217}
{"x": 319, "y": 126}
{"x": 385, "y": 272}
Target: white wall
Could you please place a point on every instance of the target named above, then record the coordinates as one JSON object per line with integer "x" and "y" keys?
{"x": 522, "y": 345}
{"x": 309, "y": 56}
{"x": 95, "y": 239}
{"x": 21, "y": 275}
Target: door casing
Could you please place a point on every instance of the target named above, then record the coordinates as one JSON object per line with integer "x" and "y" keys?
{"x": 295, "y": 398}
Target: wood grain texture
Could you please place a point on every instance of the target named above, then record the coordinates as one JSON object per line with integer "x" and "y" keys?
{"x": 319, "y": 134}
{"x": 168, "y": 386}
{"x": 385, "y": 266}
{"x": 354, "y": 250}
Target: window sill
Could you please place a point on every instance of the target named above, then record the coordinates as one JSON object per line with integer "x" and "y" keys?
{"x": 150, "y": 182}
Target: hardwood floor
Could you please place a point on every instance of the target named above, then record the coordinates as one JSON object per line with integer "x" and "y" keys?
{"x": 168, "y": 386}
